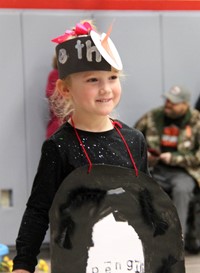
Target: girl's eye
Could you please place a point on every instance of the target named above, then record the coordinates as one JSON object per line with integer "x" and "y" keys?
{"x": 114, "y": 77}
{"x": 92, "y": 80}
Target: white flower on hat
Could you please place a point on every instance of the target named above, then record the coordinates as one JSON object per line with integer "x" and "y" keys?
{"x": 107, "y": 49}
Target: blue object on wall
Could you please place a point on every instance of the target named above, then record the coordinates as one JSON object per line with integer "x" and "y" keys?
{"x": 3, "y": 251}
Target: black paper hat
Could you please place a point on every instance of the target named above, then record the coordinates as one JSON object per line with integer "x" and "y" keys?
{"x": 86, "y": 52}
{"x": 107, "y": 195}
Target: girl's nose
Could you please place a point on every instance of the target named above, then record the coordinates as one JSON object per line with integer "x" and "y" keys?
{"x": 105, "y": 88}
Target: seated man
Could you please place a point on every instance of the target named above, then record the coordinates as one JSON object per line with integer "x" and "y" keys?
{"x": 172, "y": 133}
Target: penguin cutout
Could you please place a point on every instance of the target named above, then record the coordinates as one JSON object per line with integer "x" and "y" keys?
{"x": 111, "y": 221}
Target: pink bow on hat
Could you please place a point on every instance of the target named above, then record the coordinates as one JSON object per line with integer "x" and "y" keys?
{"x": 80, "y": 29}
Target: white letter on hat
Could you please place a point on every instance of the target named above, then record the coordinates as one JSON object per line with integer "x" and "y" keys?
{"x": 90, "y": 50}
{"x": 62, "y": 57}
{"x": 79, "y": 47}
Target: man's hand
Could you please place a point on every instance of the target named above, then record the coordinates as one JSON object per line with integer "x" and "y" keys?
{"x": 165, "y": 157}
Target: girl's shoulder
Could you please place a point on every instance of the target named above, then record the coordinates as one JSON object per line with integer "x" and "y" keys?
{"x": 120, "y": 123}
{"x": 126, "y": 129}
{"x": 64, "y": 132}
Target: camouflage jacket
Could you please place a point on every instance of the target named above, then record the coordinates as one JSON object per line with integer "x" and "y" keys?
{"x": 187, "y": 155}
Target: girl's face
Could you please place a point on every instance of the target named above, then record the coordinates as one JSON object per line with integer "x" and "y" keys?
{"x": 94, "y": 92}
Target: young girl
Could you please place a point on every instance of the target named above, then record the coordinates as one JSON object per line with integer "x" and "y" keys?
{"x": 89, "y": 80}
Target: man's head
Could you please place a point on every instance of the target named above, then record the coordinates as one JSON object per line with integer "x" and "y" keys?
{"x": 177, "y": 101}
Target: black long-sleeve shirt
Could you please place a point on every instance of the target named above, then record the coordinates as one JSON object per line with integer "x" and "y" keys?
{"x": 60, "y": 155}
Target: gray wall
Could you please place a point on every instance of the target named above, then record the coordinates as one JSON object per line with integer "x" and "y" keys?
{"x": 157, "y": 49}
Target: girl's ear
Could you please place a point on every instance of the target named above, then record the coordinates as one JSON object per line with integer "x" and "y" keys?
{"x": 62, "y": 88}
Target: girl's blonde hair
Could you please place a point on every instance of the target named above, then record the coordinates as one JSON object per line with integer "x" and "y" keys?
{"x": 59, "y": 104}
